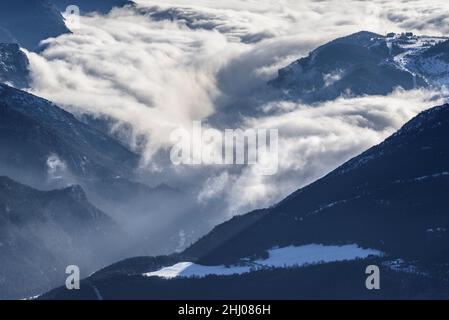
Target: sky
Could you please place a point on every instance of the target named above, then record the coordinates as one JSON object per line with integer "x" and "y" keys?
{"x": 166, "y": 64}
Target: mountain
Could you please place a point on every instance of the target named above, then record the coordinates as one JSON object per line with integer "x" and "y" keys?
{"x": 389, "y": 198}
{"x": 101, "y": 6}
{"x": 365, "y": 63}
{"x": 14, "y": 65}
{"x": 42, "y": 232}
{"x": 47, "y": 148}
{"x": 387, "y": 207}
{"x": 40, "y": 142}
{"x": 433, "y": 64}
{"x": 28, "y": 22}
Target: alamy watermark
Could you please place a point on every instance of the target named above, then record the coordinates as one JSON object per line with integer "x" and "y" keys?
{"x": 72, "y": 17}
{"x": 258, "y": 148}
{"x": 373, "y": 280}
{"x": 74, "y": 279}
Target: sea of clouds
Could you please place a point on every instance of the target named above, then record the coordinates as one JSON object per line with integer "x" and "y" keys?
{"x": 166, "y": 63}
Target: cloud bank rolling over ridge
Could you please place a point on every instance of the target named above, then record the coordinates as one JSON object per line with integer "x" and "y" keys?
{"x": 168, "y": 63}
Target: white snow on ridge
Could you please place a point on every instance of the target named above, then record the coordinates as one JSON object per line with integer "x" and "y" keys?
{"x": 436, "y": 175}
{"x": 189, "y": 270}
{"x": 288, "y": 257}
{"x": 434, "y": 70}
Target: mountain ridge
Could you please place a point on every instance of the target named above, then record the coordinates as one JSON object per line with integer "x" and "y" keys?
{"x": 42, "y": 232}
{"x": 47, "y": 138}
{"x": 398, "y": 208}
{"x": 364, "y": 63}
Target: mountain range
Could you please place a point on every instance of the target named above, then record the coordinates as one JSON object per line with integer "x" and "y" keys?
{"x": 58, "y": 155}
{"x": 28, "y": 22}
{"x": 386, "y": 207}
{"x": 46, "y": 147}
{"x": 67, "y": 187}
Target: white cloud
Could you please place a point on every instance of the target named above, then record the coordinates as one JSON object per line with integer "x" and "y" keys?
{"x": 314, "y": 140}
{"x": 214, "y": 187}
{"x": 191, "y": 59}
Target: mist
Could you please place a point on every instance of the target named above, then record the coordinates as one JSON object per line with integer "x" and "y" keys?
{"x": 164, "y": 64}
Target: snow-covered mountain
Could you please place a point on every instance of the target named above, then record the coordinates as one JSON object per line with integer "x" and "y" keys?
{"x": 28, "y": 22}
{"x": 14, "y": 65}
{"x": 366, "y": 63}
{"x": 42, "y": 232}
{"x": 386, "y": 207}
{"x": 432, "y": 63}
{"x": 101, "y": 6}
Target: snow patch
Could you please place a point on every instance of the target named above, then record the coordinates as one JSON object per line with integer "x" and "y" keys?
{"x": 288, "y": 257}
{"x": 400, "y": 265}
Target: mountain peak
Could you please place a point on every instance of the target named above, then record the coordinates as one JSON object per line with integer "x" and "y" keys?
{"x": 361, "y": 36}
{"x": 391, "y": 200}
{"x": 369, "y": 190}
{"x": 428, "y": 118}
{"x": 428, "y": 127}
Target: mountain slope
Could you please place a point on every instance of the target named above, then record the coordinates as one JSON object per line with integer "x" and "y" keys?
{"x": 42, "y": 232}
{"x": 101, "y": 6}
{"x": 433, "y": 64}
{"x": 40, "y": 141}
{"x": 47, "y": 148}
{"x": 392, "y": 198}
{"x": 28, "y": 22}
{"x": 388, "y": 198}
{"x": 363, "y": 63}
{"x": 342, "y": 280}
{"x": 14, "y": 65}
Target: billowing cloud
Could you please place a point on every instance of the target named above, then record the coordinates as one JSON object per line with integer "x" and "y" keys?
{"x": 167, "y": 63}
{"x": 315, "y": 139}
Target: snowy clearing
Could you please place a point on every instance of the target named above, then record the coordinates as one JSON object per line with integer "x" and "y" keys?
{"x": 278, "y": 258}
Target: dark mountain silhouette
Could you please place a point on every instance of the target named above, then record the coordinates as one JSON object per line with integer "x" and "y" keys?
{"x": 42, "y": 232}
{"x": 48, "y": 148}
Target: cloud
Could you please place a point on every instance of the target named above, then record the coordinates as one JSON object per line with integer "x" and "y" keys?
{"x": 124, "y": 67}
{"x": 314, "y": 140}
{"x": 168, "y": 63}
